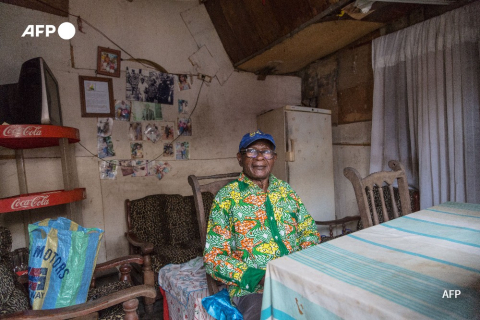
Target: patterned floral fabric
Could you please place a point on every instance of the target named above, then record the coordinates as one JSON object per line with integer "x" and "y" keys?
{"x": 185, "y": 286}
{"x": 194, "y": 310}
{"x": 248, "y": 228}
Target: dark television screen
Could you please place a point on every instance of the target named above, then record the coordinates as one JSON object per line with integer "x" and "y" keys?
{"x": 38, "y": 97}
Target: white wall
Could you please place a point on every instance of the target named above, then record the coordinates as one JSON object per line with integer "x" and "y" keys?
{"x": 153, "y": 30}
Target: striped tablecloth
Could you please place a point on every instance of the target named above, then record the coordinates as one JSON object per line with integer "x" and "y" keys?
{"x": 424, "y": 265}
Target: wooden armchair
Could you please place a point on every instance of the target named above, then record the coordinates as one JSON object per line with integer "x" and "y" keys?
{"x": 106, "y": 301}
{"x": 203, "y": 207}
{"x": 163, "y": 229}
{"x": 89, "y": 309}
{"x": 378, "y": 200}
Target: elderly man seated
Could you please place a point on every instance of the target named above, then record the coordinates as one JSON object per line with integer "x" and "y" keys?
{"x": 254, "y": 219}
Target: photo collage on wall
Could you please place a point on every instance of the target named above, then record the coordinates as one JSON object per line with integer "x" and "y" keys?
{"x": 148, "y": 107}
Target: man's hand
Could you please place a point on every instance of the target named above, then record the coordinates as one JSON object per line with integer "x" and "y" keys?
{"x": 262, "y": 282}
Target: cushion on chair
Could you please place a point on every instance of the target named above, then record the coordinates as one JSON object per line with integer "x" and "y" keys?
{"x": 5, "y": 244}
{"x": 182, "y": 227}
{"x": 116, "y": 311}
{"x": 6, "y": 283}
{"x": 18, "y": 301}
{"x": 184, "y": 233}
{"x": 169, "y": 221}
{"x": 147, "y": 216}
{"x": 13, "y": 297}
{"x": 176, "y": 254}
{"x": 182, "y": 217}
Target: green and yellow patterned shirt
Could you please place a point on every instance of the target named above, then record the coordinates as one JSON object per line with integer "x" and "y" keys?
{"x": 248, "y": 227}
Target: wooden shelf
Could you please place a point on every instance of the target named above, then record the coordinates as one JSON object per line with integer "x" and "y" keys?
{"x": 41, "y": 199}
{"x": 29, "y": 136}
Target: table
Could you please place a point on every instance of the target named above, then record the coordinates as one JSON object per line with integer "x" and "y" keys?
{"x": 424, "y": 265}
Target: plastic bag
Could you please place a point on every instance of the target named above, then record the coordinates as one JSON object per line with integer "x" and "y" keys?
{"x": 62, "y": 258}
{"x": 220, "y": 307}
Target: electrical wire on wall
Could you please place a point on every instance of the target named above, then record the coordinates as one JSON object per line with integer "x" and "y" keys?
{"x": 143, "y": 62}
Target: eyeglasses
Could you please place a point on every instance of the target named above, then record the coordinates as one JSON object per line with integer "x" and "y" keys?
{"x": 253, "y": 153}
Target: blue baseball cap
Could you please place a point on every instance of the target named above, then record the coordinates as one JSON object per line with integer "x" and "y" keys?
{"x": 250, "y": 138}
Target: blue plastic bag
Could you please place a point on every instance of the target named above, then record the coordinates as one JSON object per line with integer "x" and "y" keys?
{"x": 62, "y": 259}
{"x": 220, "y": 307}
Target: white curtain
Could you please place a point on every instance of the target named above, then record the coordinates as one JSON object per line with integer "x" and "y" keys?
{"x": 426, "y": 105}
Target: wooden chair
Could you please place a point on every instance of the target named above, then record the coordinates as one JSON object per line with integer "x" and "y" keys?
{"x": 16, "y": 305}
{"x": 163, "y": 229}
{"x": 333, "y": 224}
{"x": 378, "y": 200}
{"x": 203, "y": 212}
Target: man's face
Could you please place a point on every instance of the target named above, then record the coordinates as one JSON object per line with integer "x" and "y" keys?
{"x": 257, "y": 168}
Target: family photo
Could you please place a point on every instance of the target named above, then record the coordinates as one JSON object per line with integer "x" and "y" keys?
{"x": 184, "y": 127}
{"x": 183, "y": 82}
{"x": 168, "y": 150}
{"x": 167, "y": 131}
{"x": 150, "y": 86}
{"x": 105, "y": 147}
{"x": 182, "y": 106}
{"x": 135, "y": 131}
{"x": 136, "y": 149}
{"x": 182, "y": 150}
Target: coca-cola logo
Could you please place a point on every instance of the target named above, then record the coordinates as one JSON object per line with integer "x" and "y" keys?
{"x": 38, "y": 201}
{"x": 14, "y": 131}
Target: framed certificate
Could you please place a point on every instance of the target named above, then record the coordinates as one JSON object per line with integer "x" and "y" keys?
{"x": 96, "y": 97}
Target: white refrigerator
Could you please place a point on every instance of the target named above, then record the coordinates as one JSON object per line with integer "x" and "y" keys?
{"x": 303, "y": 138}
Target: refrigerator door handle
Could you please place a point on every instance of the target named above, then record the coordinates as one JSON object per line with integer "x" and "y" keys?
{"x": 290, "y": 154}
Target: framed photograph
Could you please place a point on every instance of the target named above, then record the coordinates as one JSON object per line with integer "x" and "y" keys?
{"x": 108, "y": 62}
{"x": 96, "y": 97}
